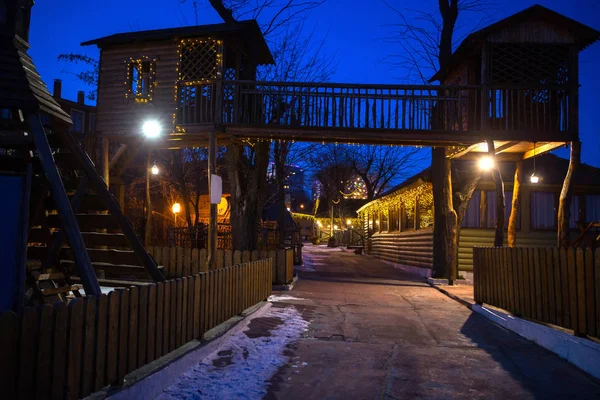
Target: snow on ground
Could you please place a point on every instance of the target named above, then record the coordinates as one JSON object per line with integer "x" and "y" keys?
{"x": 243, "y": 366}
{"x": 275, "y": 298}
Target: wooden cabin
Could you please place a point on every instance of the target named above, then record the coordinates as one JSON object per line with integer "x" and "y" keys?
{"x": 399, "y": 223}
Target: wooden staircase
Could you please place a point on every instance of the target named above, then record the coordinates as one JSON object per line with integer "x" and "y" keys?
{"x": 52, "y": 270}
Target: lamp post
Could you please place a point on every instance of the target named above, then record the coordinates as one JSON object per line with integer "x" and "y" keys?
{"x": 176, "y": 209}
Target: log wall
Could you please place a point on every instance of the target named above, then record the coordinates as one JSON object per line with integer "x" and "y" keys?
{"x": 413, "y": 248}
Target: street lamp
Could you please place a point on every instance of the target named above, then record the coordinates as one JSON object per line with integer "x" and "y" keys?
{"x": 151, "y": 129}
{"x": 486, "y": 163}
{"x": 155, "y": 169}
{"x": 176, "y": 209}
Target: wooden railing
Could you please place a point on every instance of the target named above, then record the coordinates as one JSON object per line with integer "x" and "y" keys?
{"x": 392, "y": 107}
{"x": 178, "y": 262}
{"x": 70, "y": 351}
{"x": 551, "y": 285}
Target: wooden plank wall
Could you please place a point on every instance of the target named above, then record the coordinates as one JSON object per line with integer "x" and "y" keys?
{"x": 551, "y": 285}
{"x": 72, "y": 350}
{"x": 184, "y": 261}
{"x": 116, "y": 114}
{"x": 414, "y": 248}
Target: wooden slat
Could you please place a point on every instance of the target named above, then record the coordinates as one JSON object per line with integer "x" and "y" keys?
{"x": 564, "y": 271}
{"x": 590, "y": 304}
{"x": 211, "y": 301}
{"x": 228, "y": 258}
{"x": 179, "y": 312}
{"x": 572, "y": 277}
{"x": 184, "y": 310}
{"x": 202, "y": 261}
{"x": 180, "y": 270}
{"x": 59, "y": 351}
{"x": 195, "y": 261}
{"x": 88, "y": 354}
{"x": 544, "y": 285}
{"x": 537, "y": 285}
{"x": 166, "y": 325}
{"x": 597, "y": 289}
{"x": 76, "y": 325}
{"x": 204, "y": 290}
{"x": 151, "y": 324}
{"x": 190, "y": 311}
{"x": 160, "y": 321}
{"x": 558, "y": 283}
{"x": 123, "y": 336}
{"x": 173, "y": 263}
{"x": 526, "y": 283}
{"x": 581, "y": 300}
{"x": 9, "y": 348}
{"x": 549, "y": 267}
{"x": 166, "y": 259}
{"x": 173, "y": 315}
{"x": 102, "y": 336}
{"x": 254, "y": 255}
{"x": 44, "y": 353}
{"x": 27, "y": 352}
{"x": 142, "y": 328}
{"x": 112, "y": 350}
{"x": 246, "y": 256}
{"x": 134, "y": 303}
{"x": 187, "y": 261}
{"x": 237, "y": 257}
{"x": 196, "y": 307}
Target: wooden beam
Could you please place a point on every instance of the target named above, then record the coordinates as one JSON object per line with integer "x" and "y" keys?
{"x": 65, "y": 212}
{"x": 105, "y": 161}
{"x": 506, "y": 146}
{"x": 516, "y": 204}
{"x": 130, "y": 153}
{"x": 113, "y": 207}
{"x": 465, "y": 151}
{"x": 114, "y": 159}
{"x": 545, "y": 148}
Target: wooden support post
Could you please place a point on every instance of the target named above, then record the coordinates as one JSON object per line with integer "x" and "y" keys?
{"x": 500, "y": 200}
{"x": 106, "y": 161}
{"x": 212, "y": 222}
{"x": 148, "y": 230}
{"x": 483, "y": 222}
{"x": 65, "y": 212}
{"x": 98, "y": 184}
{"x": 516, "y": 205}
{"x": 564, "y": 204}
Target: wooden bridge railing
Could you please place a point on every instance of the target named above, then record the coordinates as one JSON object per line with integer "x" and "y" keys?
{"x": 70, "y": 351}
{"x": 393, "y": 107}
{"x": 552, "y": 285}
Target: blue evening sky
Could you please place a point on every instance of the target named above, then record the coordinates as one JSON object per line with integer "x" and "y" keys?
{"x": 355, "y": 29}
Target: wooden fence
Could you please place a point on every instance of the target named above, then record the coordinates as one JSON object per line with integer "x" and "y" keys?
{"x": 70, "y": 351}
{"x": 552, "y": 285}
{"x": 184, "y": 261}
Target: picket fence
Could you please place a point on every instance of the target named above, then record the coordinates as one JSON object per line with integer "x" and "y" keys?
{"x": 551, "y": 285}
{"x": 178, "y": 261}
{"x": 72, "y": 350}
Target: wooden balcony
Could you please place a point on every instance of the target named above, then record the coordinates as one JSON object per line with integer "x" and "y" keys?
{"x": 395, "y": 114}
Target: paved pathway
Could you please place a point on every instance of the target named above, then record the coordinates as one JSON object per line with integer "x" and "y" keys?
{"x": 378, "y": 333}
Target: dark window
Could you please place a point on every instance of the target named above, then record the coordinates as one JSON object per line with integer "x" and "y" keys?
{"x": 78, "y": 118}
{"x": 592, "y": 208}
{"x": 5, "y": 113}
{"x": 472, "y": 218}
{"x": 491, "y": 209}
{"x": 140, "y": 79}
{"x": 394, "y": 219}
{"x": 575, "y": 211}
{"x": 543, "y": 210}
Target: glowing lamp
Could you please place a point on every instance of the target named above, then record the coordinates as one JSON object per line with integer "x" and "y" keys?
{"x": 335, "y": 227}
{"x": 154, "y": 170}
{"x": 348, "y": 222}
{"x": 486, "y": 163}
{"x": 176, "y": 208}
{"x": 301, "y": 205}
{"x": 151, "y": 129}
{"x": 534, "y": 178}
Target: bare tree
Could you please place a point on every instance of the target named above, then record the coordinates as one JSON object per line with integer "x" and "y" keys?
{"x": 89, "y": 76}
{"x": 428, "y": 39}
{"x": 379, "y": 166}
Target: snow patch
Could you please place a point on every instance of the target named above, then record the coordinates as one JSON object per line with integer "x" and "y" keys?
{"x": 248, "y": 366}
{"x": 274, "y": 298}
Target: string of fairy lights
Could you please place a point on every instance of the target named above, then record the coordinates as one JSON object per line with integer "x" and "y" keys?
{"x": 137, "y": 64}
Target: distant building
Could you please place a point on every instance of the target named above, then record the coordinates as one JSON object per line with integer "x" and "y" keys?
{"x": 83, "y": 115}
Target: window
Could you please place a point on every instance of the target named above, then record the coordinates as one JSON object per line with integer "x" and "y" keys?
{"x": 376, "y": 225}
{"x": 543, "y": 210}
{"x": 384, "y": 221}
{"x": 141, "y": 79}
{"x": 592, "y": 208}
{"x": 92, "y": 118}
{"x": 5, "y": 113}
{"x": 394, "y": 219}
{"x": 409, "y": 218}
{"x": 78, "y": 118}
{"x": 491, "y": 209}
{"x": 425, "y": 212}
{"x": 575, "y": 211}
{"x": 472, "y": 218}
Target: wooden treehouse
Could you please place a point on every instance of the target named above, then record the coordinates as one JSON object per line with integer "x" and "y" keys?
{"x": 61, "y": 220}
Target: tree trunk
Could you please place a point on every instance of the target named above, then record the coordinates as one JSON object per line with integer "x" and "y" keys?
{"x": 483, "y": 213}
{"x": 500, "y": 200}
{"x": 248, "y": 183}
{"x": 564, "y": 205}
{"x": 516, "y": 205}
{"x": 280, "y": 155}
{"x": 445, "y": 221}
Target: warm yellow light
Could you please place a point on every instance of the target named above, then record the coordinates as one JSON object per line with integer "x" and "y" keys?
{"x": 288, "y": 208}
{"x": 176, "y": 208}
{"x": 348, "y": 222}
{"x": 486, "y": 163}
{"x": 319, "y": 223}
{"x": 335, "y": 227}
{"x": 301, "y": 205}
{"x": 154, "y": 170}
{"x": 151, "y": 129}
{"x": 534, "y": 179}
